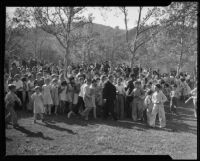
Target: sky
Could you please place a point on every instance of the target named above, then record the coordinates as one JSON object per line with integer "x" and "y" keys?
{"x": 113, "y": 17}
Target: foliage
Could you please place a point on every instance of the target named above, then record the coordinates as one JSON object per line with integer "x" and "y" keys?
{"x": 161, "y": 43}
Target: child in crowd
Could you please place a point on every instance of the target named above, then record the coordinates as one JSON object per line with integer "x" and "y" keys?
{"x": 174, "y": 99}
{"x": 62, "y": 90}
{"x": 46, "y": 93}
{"x": 54, "y": 94}
{"x": 38, "y": 108}
{"x": 19, "y": 88}
{"x": 10, "y": 99}
{"x": 75, "y": 107}
{"x": 148, "y": 107}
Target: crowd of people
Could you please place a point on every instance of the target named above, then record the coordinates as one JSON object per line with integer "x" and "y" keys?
{"x": 100, "y": 90}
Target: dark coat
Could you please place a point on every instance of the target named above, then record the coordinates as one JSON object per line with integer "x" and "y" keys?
{"x": 109, "y": 91}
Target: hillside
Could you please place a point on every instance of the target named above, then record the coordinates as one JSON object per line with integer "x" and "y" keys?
{"x": 50, "y": 40}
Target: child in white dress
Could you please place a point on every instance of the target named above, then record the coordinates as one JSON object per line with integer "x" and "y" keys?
{"x": 46, "y": 92}
{"x": 38, "y": 106}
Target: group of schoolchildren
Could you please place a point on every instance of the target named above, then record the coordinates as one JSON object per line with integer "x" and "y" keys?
{"x": 78, "y": 91}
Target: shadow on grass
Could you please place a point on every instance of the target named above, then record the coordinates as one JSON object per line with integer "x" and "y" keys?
{"x": 183, "y": 122}
{"x": 55, "y": 127}
{"x": 32, "y": 134}
{"x": 71, "y": 121}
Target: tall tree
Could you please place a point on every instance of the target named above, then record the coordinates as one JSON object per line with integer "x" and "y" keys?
{"x": 140, "y": 37}
{"x": 64, "y": 23}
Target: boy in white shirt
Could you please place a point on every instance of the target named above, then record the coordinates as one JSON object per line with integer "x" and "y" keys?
{"x": 158, "y": 99}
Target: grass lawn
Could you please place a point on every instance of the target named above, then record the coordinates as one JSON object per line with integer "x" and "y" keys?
{"x": 62, "y": 136}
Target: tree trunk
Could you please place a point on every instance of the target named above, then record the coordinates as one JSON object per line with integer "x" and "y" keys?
{"x": 66, "y": 60}
{"x": 134, "y": 44}
{"x": 181, "y": 56}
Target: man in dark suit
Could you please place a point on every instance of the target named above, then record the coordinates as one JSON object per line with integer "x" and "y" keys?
{"x": 109, "y": 96}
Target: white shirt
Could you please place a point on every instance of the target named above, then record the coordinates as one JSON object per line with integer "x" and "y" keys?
{"x": 120, "y": 89}
{"x": 158, "y": 97}
{"x": 18, "y": 84}
{"x": 81, "y": 94}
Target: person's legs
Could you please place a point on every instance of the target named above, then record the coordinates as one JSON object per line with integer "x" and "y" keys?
{"x": 195, "y": 107}
{"x": 85, "y": 113}
{"x": 74, "y": 110}
{"x": 134, "y": 110}
{"x": 172, "y": 104}
{"x": 153, "y": 114}
{"x": 62, "y": 106}
{"x": 56, "y": 109}
{"x": 121, "y": 104}
{"x": 45, "y": 109}
{"x": 34, "y": 117}
{"x": 140, "y": 109}
{"x": 80, "y": 104}
{"x": 128, "y": 107}
{"x": 23, "y": 100}
{"x": 105, "y": 110}
{"x": 49, "y": 109}
{"x": 111, "y": 109}
{"x": 117, "y": 106}
{"x": 13, "y": 116}
{"x": 145, "y": 115}
{"x": 94, "y": 112}
{"x": 41, "y": 116}
{"x": 162, "y": 118}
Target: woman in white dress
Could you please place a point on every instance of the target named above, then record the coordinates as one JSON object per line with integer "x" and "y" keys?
{"x": 38, "y": 104}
